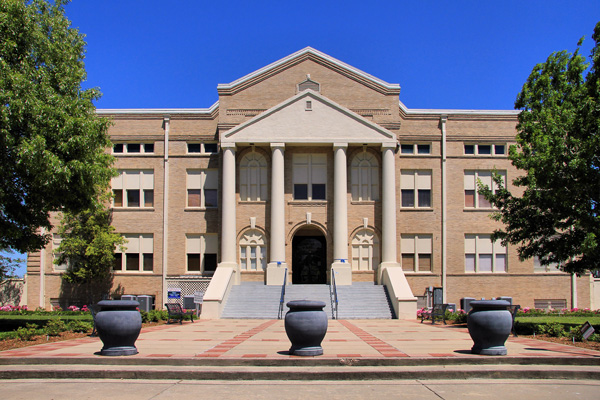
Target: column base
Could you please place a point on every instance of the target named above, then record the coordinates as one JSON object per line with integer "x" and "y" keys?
{"x": 275, "y": 274}
{"x": 343, "y": 273}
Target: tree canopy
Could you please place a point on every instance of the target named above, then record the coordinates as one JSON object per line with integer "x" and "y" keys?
{"x": 556, "y": 218}
{"x": 52, "y": 144}
{"x": 88, "y": 243}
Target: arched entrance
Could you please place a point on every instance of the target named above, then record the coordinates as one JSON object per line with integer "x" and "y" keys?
{"x": 309, "y": 257}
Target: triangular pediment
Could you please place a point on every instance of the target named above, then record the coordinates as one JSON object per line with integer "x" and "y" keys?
{"x": 308, "y": 53}
{"x": 308, "y": 118}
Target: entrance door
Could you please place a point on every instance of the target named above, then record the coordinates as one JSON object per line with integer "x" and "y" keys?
{"x": 309, "y": 260}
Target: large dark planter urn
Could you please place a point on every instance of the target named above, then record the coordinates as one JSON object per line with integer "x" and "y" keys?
{"x": 118, "y": 323}
{"x": 306, "y": 326}
{"x": 489, "y": 323}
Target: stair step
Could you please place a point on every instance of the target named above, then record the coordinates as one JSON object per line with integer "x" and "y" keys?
{"x": 361, "y": 300}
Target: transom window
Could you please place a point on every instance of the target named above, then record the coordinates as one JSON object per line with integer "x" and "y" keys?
{"x": 482, "y": 255}
{"x": 365, "y": 251}
{"x": 203, "y": 148}
{"x": 310, "y": 176}
{"x": 201, "y": 252}
{"x": 416, "y": 253}
{"x": 138, "y": 255}
{"x": 133, "y": 148}
{"x": 473, "y": 199}
{"x": 253, "y": 251}
{"x": 415, "y": 188}
{"x": 133, "y": 189}
{"x": 253, "y": 178}
{"x": 365, "y": 177}
{"x": 485, "y": 149}
{"x": 415, "y": 148}
{"x": 202, "y": 186}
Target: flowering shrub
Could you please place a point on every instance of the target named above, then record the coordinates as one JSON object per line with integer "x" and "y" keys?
{"x": 8, "y": 307}
{"x": 73, "y": 308}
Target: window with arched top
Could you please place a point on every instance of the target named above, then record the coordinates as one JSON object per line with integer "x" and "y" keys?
{"x": 253, "y": 251}
{"x": 253, "y": 177}
{"x": 365, "y": 177}
{"x": 365, "y": 251}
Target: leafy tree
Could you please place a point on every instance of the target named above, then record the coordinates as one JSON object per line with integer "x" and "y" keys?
{"x": 52, "y": 144}
{"x": 87, "y": 247}
{"x": 556, "y": 218}
{"x": 8, "y": 265}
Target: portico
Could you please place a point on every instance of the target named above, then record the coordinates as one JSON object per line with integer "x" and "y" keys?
{"x": 318, "y": 122}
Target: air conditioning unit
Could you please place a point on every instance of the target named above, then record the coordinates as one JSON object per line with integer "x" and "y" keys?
{"x": 129, "y": 297}
{"x": 188, "y": 303}
{"x": 465, "y": 303}
{"x": 145, "y": 302}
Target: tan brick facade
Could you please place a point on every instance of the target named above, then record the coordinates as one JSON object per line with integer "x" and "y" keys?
{"x": 357, "y": 97}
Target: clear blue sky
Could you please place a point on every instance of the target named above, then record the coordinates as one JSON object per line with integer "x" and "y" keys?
{"x": 444, "y": 54}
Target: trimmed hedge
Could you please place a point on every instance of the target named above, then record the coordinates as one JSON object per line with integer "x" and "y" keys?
{"x": 14, "y": 322}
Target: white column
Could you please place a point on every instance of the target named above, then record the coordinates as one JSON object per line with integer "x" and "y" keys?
{"x": 390, "y": 274}
{"x": 340, "y": 267}
{"x": 388, "y": 253}
{"x": 276, "y": 268}
{"x": 228, "y": 214}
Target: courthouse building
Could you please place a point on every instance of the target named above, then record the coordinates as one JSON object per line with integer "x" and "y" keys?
{"x": 310, "y": 168}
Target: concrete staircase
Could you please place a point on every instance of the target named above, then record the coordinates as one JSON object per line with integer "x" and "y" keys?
{"x": 254, "y": 300}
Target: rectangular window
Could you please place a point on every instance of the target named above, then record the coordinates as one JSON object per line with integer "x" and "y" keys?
{"x": 415, "y": 148}
{"x": 202, "y": 187}
{"x": 415, "y": 185}
{"x": 473, "y": 199}
{"x": 423, "y": 149}
{"x": 206, "y": 148}
{"x": 56, "y": 240}
{"x": 416, "y": 253}
{"x": 407, "y": 149}
{"x": 201, "y": 252}
{"x": 133, "y": 189}
{"x": 193, "y": 148}
{"x": 485, "y": 149}
{"x": 484, "y": 256}
{"x": 138, "y": 255}
{"x": 133, "y": 148}
{"x": 310, "y": 176}
{"x": 118, "y": 197}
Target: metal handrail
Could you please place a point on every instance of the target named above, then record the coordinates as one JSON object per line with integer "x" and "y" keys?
{"x": 282, "y": 298}
{"x": 334, "y": 297}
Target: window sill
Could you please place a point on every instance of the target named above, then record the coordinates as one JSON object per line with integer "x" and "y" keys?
{"x": 136, "y": 155}
{"x": 472, "y": 209}
{"x": 429, "y": 209}
{"x": 134, "y": 209}
{"x": 196, "y": 209}
{"x": 364, "y": 202}
{"x": 199, "y": 154}
{"x": 251, "y": 202}
{"x": 485, "y": 273}
{"x": 133, "y": 272}
{"x": 308, "y": 202}
{"x": 418, "y": 272}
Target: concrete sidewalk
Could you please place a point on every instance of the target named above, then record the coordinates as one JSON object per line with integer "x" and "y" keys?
{"x": 266, "y": 339}
{"x": 236, "y": 390}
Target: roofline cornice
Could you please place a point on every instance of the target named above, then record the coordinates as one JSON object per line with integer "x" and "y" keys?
{"x": 158, "y": 111}
{"x": 445, "y": 112}
{"x": 317, "y": 56}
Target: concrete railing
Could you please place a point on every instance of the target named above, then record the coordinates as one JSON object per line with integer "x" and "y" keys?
{"x": 217, "y": 292}
{"x": 401, "y": 296}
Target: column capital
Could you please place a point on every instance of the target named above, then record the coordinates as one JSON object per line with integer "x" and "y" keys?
{"x": 338, "y": 145}
{"x": 228, "y": 146}
{"x": 277, "y": 146}
{"x": 388, "y": 145}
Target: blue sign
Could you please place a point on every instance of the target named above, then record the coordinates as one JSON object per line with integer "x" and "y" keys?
{"x": 174, "y": 293}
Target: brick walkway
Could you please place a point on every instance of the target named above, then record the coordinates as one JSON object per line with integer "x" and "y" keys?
{"x": 266, "y": 339}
